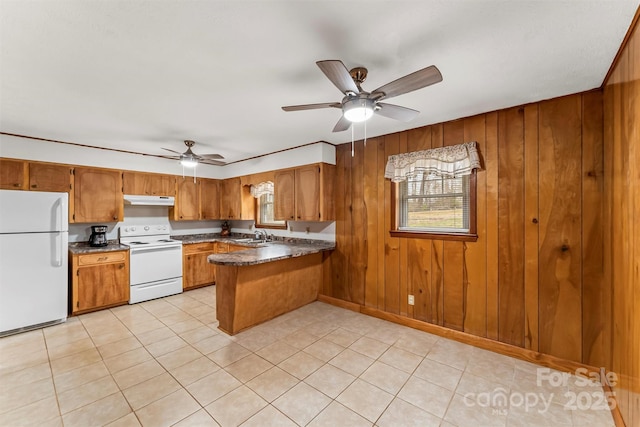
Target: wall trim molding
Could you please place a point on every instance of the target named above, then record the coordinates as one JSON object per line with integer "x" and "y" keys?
{"x": 623, "y": 45}
{"x": 167, "y": 157}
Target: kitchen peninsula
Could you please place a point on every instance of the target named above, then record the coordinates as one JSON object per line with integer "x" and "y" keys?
{"x": 260, "y": 283}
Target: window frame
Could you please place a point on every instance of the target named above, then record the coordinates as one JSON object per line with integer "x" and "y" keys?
{"x": 468, "y": 236}
{"x": 258, "y": 224}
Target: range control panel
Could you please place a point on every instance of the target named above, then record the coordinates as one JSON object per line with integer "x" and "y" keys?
{"x": 144, "y": 230}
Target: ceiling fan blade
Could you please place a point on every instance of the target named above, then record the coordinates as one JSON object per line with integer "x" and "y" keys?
{"x": 414, "y": 81}
{"x": 211, "y": 156}
{"x": 396, "y": 112}
{"x": 312, "y": 106}
{"x": 173, "y": 151}
{"x": 342, "y": 125}
{"x": 339, "y": 75}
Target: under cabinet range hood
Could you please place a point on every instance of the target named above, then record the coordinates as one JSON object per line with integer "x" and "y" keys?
{"x": 135, "y": 200}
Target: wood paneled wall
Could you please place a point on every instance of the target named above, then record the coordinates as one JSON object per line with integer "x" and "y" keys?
{"x": 534, "y": 278}
{"x": 622, "y": 212}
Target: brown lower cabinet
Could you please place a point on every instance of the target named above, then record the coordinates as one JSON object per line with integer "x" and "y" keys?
{"x": 98, "y": 280}
{"x": 196, "y": 270}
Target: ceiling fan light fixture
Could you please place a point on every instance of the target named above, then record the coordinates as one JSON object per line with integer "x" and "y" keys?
{"x": 358, "y": 110}
{"x": 188, "y": 161}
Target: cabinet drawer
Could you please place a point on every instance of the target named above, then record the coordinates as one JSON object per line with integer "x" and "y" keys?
{"x": 236, "y": 248}
{"x": 102, "y": 258}
{"x": 198, "y": 247}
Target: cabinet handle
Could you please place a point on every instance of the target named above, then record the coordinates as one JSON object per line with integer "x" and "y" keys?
{"x": 115, "y": 217}
{"x": 103, "y": 258}
{"x": 121, "y": 266}
{"x": 17, "y": 185}
{"x": 34, "y": 186}
{"x": 291, "y": 217}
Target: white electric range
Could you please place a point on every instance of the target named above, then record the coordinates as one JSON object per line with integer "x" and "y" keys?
{"x": 155, "y": 261}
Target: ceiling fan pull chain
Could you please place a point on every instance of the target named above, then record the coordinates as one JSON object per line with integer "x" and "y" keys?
{"x": 365, "y": 134}
{"x": 352, "y": 145}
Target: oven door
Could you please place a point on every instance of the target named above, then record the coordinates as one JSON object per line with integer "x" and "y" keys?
{"x": 155, "y": 263}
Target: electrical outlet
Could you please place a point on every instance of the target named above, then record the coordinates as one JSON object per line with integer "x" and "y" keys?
{"x": 412, "y": 300}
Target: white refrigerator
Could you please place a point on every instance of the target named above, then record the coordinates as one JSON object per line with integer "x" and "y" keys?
{"x": 34, "y": 236}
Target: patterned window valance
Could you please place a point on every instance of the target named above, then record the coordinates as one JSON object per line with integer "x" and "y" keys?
{"x": 449, "y": 162}
{"x": 265, "y": 187}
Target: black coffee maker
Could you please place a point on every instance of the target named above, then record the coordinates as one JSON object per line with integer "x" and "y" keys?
{"x": 98, "y": 235}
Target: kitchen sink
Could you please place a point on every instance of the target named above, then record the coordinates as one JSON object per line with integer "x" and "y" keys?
{"x": 248, "y": 240}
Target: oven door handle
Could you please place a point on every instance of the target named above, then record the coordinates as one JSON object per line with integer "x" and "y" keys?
{"x": 154, "y": 248}
{"x": 155, "y": 284}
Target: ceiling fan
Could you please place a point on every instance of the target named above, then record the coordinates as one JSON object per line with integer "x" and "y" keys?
{"x": 190, "y": 159}
{"x": 359, "y": 105}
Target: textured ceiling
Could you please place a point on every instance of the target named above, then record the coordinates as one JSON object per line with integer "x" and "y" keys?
{"x": 142, "y": 75}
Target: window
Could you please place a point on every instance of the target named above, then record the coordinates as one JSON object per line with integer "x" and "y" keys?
{"x": 435, "y": 207}
{"x": 434, "y": 192}
{"x": 264, "y": 212}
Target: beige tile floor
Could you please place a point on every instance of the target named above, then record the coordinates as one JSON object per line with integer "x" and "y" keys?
{"x": 164, "y": 362}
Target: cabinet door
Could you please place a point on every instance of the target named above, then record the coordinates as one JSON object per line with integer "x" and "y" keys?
{"x": 149, "y": 184}
{"x": 198, "y": 271}
{"x": 187, "y": 207}
{"x": 102, "y": 285}
{"x": 98, "y": 195}
{"x": 307, "y": 192}
{"x": 50, "y": 177}
{"x": 210, "y": 202}
{"x": 230, "y": 199}
{"x": 283, "y": 195}
{"x": 161, "y": 185}
{"x": 13, "y": 174}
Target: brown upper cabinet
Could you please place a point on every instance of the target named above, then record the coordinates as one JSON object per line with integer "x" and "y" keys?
{"x": 284, "y": 207}
{"x": 314, "y": 188}
{"x": 235, "y": 200}
{"x": 149, "y": 184}
{"x": 210, "y": 198}
{"x": 50, "y": 177}
{"x": 14, "y": 174}
{"x": 187, "y": 205}
{"x": 98, "y": 195}
{"x": 305, "y": 193}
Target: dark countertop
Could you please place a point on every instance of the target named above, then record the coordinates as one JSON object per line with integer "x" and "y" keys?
{"x": 84, "y": 248}
{"x": 271, "y": 251}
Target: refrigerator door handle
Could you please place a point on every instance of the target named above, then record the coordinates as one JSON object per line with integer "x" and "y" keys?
{"x": 61, "y": 248}
{"x": 61, "y": 214}
{"x": 58, "y": 262}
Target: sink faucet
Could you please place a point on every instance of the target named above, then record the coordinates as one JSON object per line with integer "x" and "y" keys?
{"x": 261, "y": 235}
